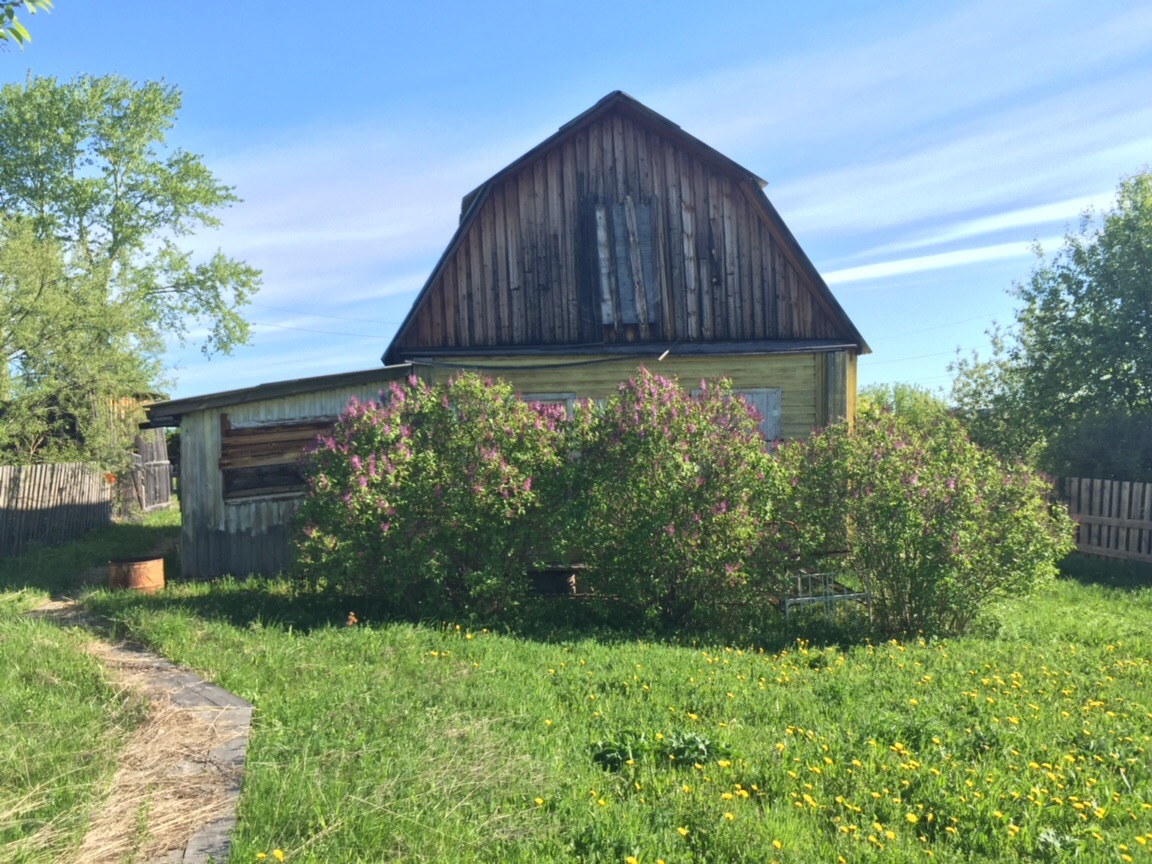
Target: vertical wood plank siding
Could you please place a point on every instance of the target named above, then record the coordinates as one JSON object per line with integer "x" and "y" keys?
{"x": 528, "y": 269}
{"x": 50, "y": 504}
{"x": 247, "y": 535}
{"x": 1114, "y": 517}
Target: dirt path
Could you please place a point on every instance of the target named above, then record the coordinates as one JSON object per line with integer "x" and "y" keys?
{"x": 173, "y": 797}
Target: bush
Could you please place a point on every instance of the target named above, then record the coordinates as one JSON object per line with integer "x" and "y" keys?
{"x": 428, "y": 500}
{"x": 936, "y": 527}
{"x": 673, "y": 498}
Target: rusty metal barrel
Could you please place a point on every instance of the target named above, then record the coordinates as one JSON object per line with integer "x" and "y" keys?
{"x": 144, "y": 574}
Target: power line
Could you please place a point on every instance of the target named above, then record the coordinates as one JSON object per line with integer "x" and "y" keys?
{"x": 934, "y": 327}
{"x": 915, "y": 357}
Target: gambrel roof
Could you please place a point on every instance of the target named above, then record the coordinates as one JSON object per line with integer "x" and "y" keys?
{"x": 621, "y": 229}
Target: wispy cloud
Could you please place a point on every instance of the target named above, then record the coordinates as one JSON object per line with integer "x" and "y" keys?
{"x": 938, "y": 261}
{"x": 933, "y": 140}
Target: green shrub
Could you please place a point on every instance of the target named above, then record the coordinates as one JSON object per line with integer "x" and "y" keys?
{"x": 428, "y": 500}
{"x": 935, "y": 526}
{"x": 672, "y": 496}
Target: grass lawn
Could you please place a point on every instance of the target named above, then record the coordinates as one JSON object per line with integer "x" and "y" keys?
{"x": 61, "y": 725}
{"x": 380, "y": 742}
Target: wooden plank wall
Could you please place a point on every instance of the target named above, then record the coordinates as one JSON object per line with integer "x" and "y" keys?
{"x": 51, "y": 504}
{"x": 264, "y": 460}
{"x": 561, "y": 251}
{"x": 796, "y": 375}
{"x": 1114, "y": 516}
{"x": 249, "y": 535}
{"x": 147, "y": 485}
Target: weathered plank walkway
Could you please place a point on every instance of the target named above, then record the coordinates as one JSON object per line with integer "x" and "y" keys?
{"x": 183, "y": 766}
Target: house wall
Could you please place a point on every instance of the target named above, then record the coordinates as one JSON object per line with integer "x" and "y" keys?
{"x": 619, "y": 233}
{"x": 802, "y": 378}
{"x": 247, "y": 535}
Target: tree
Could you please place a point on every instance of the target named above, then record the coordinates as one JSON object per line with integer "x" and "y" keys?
{"x": 92, "y": 274}
{"x": 1080, "y": 346}
{"x": 11, "y": 29}
{"x": 904, "y": 400}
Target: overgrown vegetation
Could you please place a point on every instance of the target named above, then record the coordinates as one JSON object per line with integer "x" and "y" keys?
{"x": 680, "y": 513}
{"x": 62, "y": 728}
{"x": 63, "y": 724}
{"x": 445, "y": 743}
{"x": 936, "y": 527}
{"x": 432, "y": 500}
{"x": 439, "y": 501}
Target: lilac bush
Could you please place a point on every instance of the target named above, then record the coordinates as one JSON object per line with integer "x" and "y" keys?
{"x": 428, "y": 499}
{"x": 936, "y": 527}
{"x": 672, "y": 496}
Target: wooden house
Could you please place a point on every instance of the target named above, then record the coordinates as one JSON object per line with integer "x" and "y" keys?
{"x": 622, "y": 240}
{"x": 239, "y": 455}
{"x": 619, "y": 241}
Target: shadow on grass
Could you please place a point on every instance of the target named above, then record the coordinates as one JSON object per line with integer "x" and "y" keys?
{"x": 65, "y": 570}
{"x": 1107, "y": 572}
{"x": 277, "y": 602}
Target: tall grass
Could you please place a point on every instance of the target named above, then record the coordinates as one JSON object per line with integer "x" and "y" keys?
{"x": 62, "y": 727}
{"x": 61, "y": 723}
{"x": 381, "y": 741}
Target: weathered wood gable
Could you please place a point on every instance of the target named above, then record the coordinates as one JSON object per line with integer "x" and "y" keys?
{"x": 620, "y": 228}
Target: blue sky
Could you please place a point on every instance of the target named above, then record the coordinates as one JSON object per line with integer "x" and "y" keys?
{"x": 916, "y": 150}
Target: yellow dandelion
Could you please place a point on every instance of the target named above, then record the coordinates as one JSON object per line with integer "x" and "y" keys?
{"x": 260, "y": 856}
{"x": 726, "y": 796}
{"x": 277, "y": 854}
{"x": 539, "y": 802}
{"x": 776, "y": 844}
{"x": 911, "y": 818}
{"x": 683, "y": 832}
{"x": 729, "y": 817}
{"x": 631, "y": 859}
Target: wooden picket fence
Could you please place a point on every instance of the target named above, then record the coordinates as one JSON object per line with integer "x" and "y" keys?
{"x": 50, "y": 504}
{"x": 1114, "y": 517}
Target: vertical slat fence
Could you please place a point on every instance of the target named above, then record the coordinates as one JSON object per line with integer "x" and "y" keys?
{"x": 148, "y": 482}
{"x": 50, "y": 504}
{"x": 1114, "y": 517}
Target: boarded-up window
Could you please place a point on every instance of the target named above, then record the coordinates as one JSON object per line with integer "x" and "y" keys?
{"x": 626, "y": 263}
{"x": 262, "y": 460}
{"x": 765, "y": 400}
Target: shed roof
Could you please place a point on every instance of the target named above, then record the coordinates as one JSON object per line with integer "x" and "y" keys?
{"x": 168, "y": 413}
